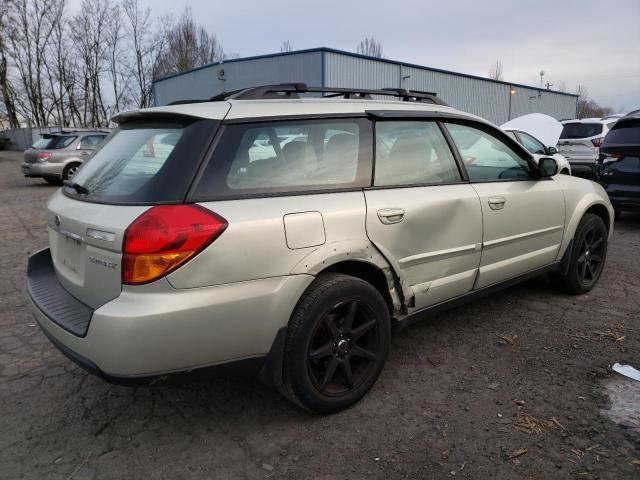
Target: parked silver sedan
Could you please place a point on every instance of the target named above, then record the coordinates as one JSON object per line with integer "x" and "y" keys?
{"x": 57, "y": 157}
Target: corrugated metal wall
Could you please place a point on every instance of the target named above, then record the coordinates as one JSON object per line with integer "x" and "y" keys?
{"x": 488, "y": 99}
{"x": 208, "y": 81}
{"x": 484, "y": 98}
{"x": 23, "y": 138}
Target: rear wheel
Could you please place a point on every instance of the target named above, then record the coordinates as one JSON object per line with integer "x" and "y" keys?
{"x": 564, "y": 172}
{"x": 337, "y": 343}
{"x": 587, "y": 256}
{"x": 69, "y": 171}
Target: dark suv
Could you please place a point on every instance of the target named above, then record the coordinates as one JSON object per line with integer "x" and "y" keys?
{"x": 619, "y": 164}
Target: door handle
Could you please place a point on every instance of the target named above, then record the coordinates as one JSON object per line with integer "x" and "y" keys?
{"x": 391, "y": 215}
{"x": 497, "y": 203}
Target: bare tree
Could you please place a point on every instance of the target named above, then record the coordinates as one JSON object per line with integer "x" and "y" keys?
{"x": 188, "y": 46}
{"x": 6, "y": 88}
{"x": 90, "y": 28}
{"x": 116, "y": 55}
{"x": 30, "y": 26}
{"x": 66, "y": 69}
{"x": 370, "y": 47}
{"x": 588, "y": 108}
{"x": 495, "y": 72}
{"x": 145, "y": 47}
{"x": 286, "y": 46}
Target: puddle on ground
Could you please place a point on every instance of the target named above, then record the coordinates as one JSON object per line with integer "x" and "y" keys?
{"x": 624, "y": 394}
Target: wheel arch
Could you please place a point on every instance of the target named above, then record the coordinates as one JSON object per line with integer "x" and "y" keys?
{"x": 589, "y": 204}
{"x": 360, "y": 259}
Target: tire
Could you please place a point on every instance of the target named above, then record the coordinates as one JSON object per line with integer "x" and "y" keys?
{"x": 341, "y": 324}
{"x": 53, "y": 180}
{"x": 69, "y": 171}
{"x": 565, "y": 172}
{"x": 588, "y": 256}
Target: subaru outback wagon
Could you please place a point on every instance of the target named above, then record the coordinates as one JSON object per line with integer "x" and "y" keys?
{"x": 292, "y": 235}
{"x": 56, "y": 157}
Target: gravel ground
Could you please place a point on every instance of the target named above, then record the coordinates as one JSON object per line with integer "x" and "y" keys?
{"x": 514, "y": 386}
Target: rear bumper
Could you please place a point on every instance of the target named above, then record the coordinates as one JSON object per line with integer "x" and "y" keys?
{"x": 630, "y": 204}
{"x": 155, "y": 330}
{"x": 42, "y": 169}
{"x": 583, "y": 169}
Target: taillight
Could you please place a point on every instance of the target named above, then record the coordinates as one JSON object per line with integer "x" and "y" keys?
{"x": 165, "y": 237}
{"x": 597, "y": 142}
{"x": 610, "y": 157}
{"x": 42, "y": 156}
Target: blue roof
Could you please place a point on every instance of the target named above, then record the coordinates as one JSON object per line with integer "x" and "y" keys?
{"x": 356, "y": 55}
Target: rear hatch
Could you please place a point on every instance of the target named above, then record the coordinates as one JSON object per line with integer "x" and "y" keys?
{"x": 49, "y": 147}
{"x": 575, "y": 141}
{"x": 148, "y": 161}
{"x": 621, "y": 159}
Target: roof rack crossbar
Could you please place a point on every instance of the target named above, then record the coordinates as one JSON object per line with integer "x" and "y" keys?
{"x": 293, "y": 90}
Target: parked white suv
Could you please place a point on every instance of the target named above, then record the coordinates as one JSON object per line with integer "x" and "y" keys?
{"x": 580, "y": 142}
{"x": 293, "y": 235}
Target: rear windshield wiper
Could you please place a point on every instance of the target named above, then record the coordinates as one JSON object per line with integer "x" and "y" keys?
{"x": 77, "y": 187}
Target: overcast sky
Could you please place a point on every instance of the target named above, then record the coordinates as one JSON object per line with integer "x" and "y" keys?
{"x": 594, "y": 43}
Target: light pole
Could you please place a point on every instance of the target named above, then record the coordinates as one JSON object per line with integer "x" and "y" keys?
{"x": 512, "y": 92}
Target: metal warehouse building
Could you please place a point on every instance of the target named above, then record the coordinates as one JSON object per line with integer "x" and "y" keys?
{"x": 497, "y": 101}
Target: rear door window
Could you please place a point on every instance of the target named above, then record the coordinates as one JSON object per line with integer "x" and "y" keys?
{"x": 580, "y": 130}
{"x": 58, "y": 142}
{"x": 91, "y": 141}
{"x": 413, "y": 153}
{"x": 288, "y": 156}
{"x": 146, "y": 162}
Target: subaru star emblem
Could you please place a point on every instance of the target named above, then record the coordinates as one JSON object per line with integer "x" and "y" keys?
{"x": 56, "y": 220}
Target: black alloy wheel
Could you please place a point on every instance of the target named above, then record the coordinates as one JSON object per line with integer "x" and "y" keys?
{"x": 587, "y": 257}
{"x": 337, "y": 342}
{"x": 591, "y": 256}
{"x": 343, "y": 348}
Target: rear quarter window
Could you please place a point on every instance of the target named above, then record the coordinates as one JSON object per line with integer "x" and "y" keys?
{"x": 293, "y": 156}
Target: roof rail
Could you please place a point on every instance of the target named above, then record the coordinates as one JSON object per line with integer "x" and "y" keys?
{"x": 293, "y": 90}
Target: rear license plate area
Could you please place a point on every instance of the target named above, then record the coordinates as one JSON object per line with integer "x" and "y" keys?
{"x": 71, "y": 254}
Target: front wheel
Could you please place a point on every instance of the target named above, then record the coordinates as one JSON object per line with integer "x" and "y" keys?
{"x": 337, "y": 343}
{"x": 587, "y": 256}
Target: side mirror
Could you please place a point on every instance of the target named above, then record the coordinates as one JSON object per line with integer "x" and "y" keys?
{"x": 547, "y": 166}
{"x": 552, "y": 150}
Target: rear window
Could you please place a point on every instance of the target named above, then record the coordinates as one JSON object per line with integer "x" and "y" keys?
{"x": 58, "y": 142}
{"x": 42, "y": 143}
{"x": 624, "y": 133}
{"x": 288, "y": 156}
{"x": 581, "y": 130}
{"x": 145, "y": 162}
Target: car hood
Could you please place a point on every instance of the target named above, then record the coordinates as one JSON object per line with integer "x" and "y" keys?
{"x": 545, "y": 128}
